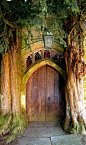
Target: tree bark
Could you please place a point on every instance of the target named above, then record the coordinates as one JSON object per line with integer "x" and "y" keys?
{"x": 11, "y": 77}
{"x": 75, "y": 120}
{"x": 15, "y": 77}
{"x": 15, "y": 121}
{"x": 5, "y": 85}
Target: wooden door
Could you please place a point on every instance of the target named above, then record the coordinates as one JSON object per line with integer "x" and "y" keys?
{"x": 44, "y": 95}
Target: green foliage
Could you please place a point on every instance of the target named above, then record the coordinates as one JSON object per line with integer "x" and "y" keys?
{"x": 72, "y": 6}
{"x": 15, "y": 15}
{"x": 57, "y": 17}
{"x": 45, "y": 15}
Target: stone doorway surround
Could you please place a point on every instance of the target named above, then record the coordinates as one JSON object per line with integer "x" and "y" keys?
{"x": 26, "y": 72}
{"x": 30, "y": 71}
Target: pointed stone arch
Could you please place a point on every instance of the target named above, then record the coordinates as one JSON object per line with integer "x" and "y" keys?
{"x": 30, "y": 71}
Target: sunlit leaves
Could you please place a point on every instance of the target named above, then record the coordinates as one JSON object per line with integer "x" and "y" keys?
{"x": 43, "y": 6}
{"x": 72, "y": 6}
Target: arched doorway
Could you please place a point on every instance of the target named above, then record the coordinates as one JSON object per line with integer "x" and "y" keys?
{"x": 45, "y": 95}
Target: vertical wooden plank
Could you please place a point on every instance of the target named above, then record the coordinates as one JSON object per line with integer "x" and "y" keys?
{"x": 34, "y": 97}
{"x": 44, "y": 90}
{"x": 41, "y": 93}
{"x": 57, "y": 95}
{"x": 50, "y": 94}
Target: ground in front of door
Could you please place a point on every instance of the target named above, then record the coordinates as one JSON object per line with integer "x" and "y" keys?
{"x": 46, "y": 133}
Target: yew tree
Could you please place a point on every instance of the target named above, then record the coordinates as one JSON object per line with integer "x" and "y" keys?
{"x": 69, "y": 26}
{"x": 66, "y": 20}
{"x": 14, "y": 16}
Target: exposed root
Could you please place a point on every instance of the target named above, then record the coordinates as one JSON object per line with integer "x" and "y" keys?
{"x": 74, "y": 127}
{"x": 5, "y": 127}
{"x": 78, "y": 128}
{"x": 13, "y": 125}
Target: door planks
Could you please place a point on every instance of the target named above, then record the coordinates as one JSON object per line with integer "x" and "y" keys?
{"x": 44, "y": 95}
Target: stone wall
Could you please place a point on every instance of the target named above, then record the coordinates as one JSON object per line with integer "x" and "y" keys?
{"x": 25, "y": 73}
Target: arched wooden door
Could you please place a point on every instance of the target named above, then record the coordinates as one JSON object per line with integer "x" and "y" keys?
{"x": 45, "y": 95}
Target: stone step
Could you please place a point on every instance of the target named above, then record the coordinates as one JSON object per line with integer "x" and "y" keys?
{"x": 46, "y": 133}
{"x": 43, "y": 132}
{"x": 70, "y": 139}
{"x": 44, "y": 124}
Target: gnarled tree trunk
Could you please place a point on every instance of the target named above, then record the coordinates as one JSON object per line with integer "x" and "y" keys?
{"x": 11, "y": 77}
{"x": 14, "y": 52}
{"x": 75, "y": 120}
{"x": 15, "y": 122}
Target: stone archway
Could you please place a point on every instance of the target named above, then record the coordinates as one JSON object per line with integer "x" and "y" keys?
{"x": 30, "y": 71}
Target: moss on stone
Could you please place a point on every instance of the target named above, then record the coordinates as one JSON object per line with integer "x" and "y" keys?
{"x": 14, "y": 125}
